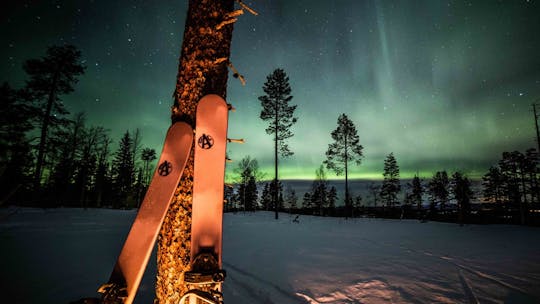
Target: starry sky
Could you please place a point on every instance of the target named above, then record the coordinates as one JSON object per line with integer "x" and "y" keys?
{"x": 442, "y": 84}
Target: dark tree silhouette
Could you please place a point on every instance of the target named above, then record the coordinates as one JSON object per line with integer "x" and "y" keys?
{"x": 246, "y": 170}
{"x": 390, "y": 185}
{"x": 307, "y": 206}
{"x": 332, "y": 198}
{"x": 438, "y": 190}
{"x": 319, "y": 191}
{"x": 148, "y": 155}
{"x": 292, "y": 199}
{"x": 280, "y": 116}
{"x": 462, "y": 193}
{"x": 493, "y": 185}
{"x": 52, "y": 76}
{"x": 417, "y": 190}
{"x": 266, "y": 197}
{"x": 123, "y": 170}
{"x": 345, "y": 149}
{"x": 374, "y": 191}
{"x": 531, "y": 167}
{"x": 276, "y": 190}
{"x": 15, "y": 157}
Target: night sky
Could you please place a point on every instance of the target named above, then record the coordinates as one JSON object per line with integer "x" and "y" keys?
{"x": 442, "y": 84}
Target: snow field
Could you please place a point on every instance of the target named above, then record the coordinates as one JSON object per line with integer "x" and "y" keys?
{"x": 61, "y": 255}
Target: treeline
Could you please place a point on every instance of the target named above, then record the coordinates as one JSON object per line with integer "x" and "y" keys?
{"x": 49, "y": 158}
{"x": 510, "y": 194}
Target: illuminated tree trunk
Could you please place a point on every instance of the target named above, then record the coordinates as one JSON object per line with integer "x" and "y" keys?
{"x": 202, "y": 70}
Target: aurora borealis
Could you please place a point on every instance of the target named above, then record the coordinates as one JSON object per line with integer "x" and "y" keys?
{"x": 442, "y": 84}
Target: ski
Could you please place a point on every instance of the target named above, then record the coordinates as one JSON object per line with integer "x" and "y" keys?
{"x": 131, "y": 263}
{"x": 206, "y": 276}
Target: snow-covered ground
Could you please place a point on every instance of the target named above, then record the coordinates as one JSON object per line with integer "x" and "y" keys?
{"x": 60, "y": 255}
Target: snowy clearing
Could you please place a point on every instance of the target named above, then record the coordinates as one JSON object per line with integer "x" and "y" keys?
{"x": 61, "y": 255}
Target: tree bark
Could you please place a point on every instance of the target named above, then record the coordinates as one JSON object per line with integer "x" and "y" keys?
{"x": 202, "y": 71}
{"x": 276, "y": 189}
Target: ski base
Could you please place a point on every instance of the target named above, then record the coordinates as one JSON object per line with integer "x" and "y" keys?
{"x": 131, "y": 263}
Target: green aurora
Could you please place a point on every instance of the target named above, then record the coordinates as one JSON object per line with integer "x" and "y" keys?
{"x": 445, "y": 85}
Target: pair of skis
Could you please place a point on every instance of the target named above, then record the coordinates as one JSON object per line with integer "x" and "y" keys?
{"x": 206, "y": 275}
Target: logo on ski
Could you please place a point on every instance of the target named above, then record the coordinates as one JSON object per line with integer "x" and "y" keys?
{"x": 165, "y": 168}
{"x": 205, "y": 141}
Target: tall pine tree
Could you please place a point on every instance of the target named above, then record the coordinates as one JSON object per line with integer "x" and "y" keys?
{"x": 280, "y": 116}
{"x": 345, "y": 149}
{"x": 50, "y": 77}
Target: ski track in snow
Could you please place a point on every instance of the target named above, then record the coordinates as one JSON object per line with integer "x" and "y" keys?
{"x": 467, "y": 288}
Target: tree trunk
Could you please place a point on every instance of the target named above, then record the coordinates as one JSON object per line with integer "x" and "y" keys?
{"x": 347, "y": 207}
{"x": 276, "y": 189}
{"x": 202, "y": 70}
{"x": 43, "y": 137}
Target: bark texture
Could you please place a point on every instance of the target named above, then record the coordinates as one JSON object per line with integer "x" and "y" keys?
{"x": 202, "y": 70}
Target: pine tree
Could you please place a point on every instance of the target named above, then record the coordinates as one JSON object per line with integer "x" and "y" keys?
{"x": 103, "y": 180}
{"x": 319, "y": 191}
{"x": 291, "y": 199}
{"x": 417, "y": 190}
{"x": 374, "y": 191}
{"x": 532, "y": 171}
{"x": 63, "y": 157}
{"x": 345, "y": 149}
{"x": 148, "y": 155}
{"x": 15, "y": 150}
{"x": 332, "y": 198}
{"x": 246, "y": 170}
{"x": 229, "y": 198}
{"x": 279, "y": 114}
{"x": 276, "y": 190}
{"x": 248, "y": 194}
{"x": 266, "y": 197}
{"x": 52, "y": 76}
{"x": 493, "y": 185}
{"x": 306, "y": 203}
{"x": 462, "y": 193}
{"x": 438, "y": 190}
{"x": 391, "y": 185}
{"x": 124, "y": 172}
{"x": 202, "y": 70}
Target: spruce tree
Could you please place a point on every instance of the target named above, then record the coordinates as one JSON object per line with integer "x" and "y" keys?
{"x": 280, "y": 116}
{"x": 344, "y": 150}
{"x": 124, "y": 172}
{"x": 390, "y": 185}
